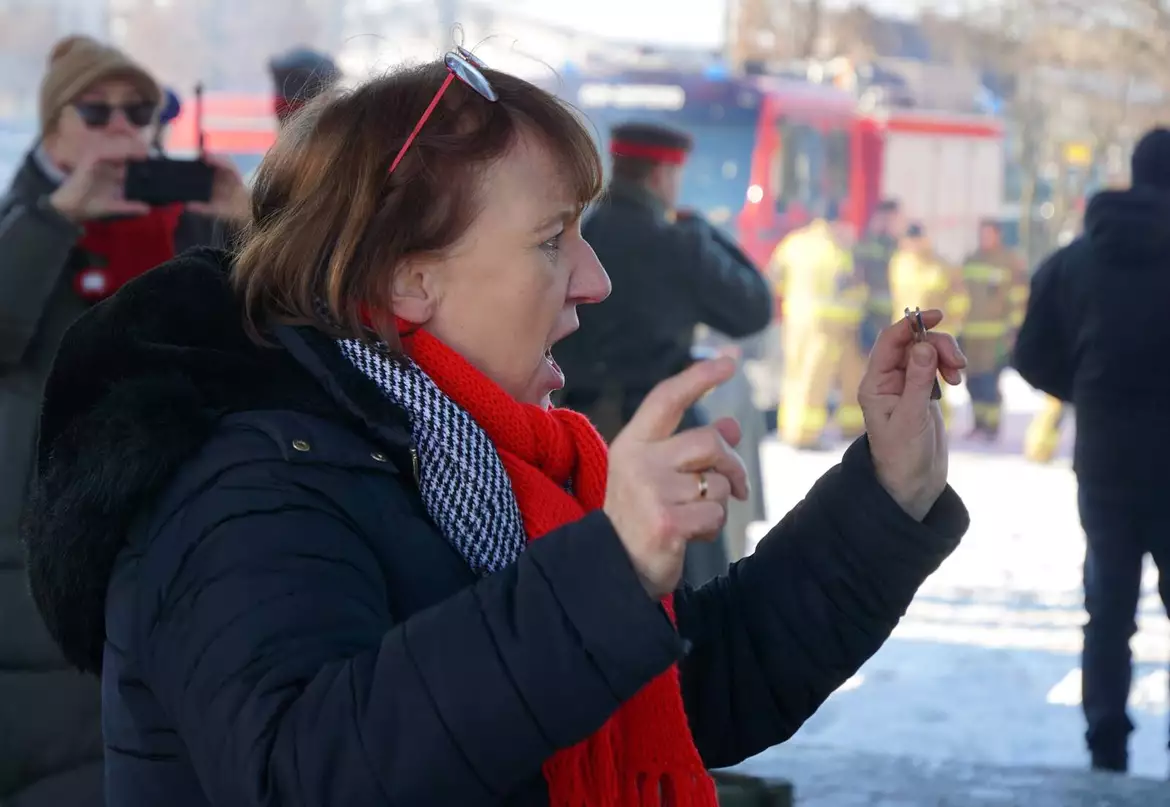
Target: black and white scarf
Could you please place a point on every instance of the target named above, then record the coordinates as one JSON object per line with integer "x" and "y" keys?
{"x": 464, "y": 484}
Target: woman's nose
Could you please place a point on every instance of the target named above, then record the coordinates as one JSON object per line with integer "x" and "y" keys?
{"x": 590, "y": 282}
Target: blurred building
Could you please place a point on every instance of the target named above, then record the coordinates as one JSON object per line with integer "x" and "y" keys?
{"x": 378, "y": 34}
{"x": 27, "y": 30}
{"x": 882, "y": 60}
{"x": 225, "y": 44}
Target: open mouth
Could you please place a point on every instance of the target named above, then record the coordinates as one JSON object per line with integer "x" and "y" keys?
{"x": 548, "y": 357}
{"x": 548, "y": 351}
{"x": 556, "y": 368}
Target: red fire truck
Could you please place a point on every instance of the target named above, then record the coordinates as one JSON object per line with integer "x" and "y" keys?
{"x": 237, "y": 125}
{"x": 768, "y": 150}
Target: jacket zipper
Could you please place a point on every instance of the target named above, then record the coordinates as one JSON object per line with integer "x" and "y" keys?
{"x": 414, "y": 465}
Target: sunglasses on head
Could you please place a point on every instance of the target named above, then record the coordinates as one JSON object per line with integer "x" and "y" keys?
{"x": 461, "y": 64}
{"x": 97, "y": 114}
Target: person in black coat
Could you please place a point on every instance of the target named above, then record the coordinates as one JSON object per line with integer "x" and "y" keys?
{"x": 308, "y": 510}
{"x": 672, "y": 271}
{"x": 1096, "y": 335}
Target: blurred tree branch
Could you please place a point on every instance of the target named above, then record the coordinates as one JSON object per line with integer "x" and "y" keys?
{"x": 1077, "y": 78}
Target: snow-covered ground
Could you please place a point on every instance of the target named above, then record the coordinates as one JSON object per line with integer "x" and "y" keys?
{"x": 985, "y": 666}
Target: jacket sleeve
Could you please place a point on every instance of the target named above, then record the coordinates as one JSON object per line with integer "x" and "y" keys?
{"x": 35, "y": 243}
{"x": 273, "y": 651}
{"x": 1042, "y": 353}
{"x": 786, "y": 626}
{"x": 730, "y": 294}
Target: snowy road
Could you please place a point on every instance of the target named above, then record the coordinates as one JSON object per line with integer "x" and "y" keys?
{"x": 985, "y": 665}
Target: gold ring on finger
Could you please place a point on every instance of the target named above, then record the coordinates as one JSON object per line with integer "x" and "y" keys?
{"x": 704, "y": 488}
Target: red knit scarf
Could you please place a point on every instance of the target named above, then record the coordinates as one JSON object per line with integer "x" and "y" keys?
{"x": 121, "y": 249}
{"x": 644, "y": 755}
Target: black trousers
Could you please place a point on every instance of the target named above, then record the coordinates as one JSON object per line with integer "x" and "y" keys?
{"x": 1121, "y": 528}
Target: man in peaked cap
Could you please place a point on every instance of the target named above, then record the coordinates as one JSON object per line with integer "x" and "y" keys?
{"x": 671, "y": 271}
{"x": 651, "y": 156}
{"x": 299, "y": 76}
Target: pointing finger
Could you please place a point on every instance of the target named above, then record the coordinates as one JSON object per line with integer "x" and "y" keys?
{"x": 661, "y": 412}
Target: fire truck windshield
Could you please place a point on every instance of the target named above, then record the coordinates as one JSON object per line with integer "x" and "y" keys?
{"x": 721, "y": 116}
{"x": 715, "y": 179}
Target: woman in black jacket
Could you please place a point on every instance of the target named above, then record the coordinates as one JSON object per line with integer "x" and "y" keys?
{"x": 310, "y": 513}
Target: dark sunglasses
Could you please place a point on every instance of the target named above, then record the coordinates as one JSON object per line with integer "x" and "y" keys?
{"x": 97, "y": 114}
{"x": 463, "y": 65}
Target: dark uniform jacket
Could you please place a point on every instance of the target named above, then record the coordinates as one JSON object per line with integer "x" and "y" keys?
{"x": 1097, "y": 334}
{"x": 234, "y": 532}
{"x": 871, "y": 261}
{"x": 50, "y": 742}
{"x": 667, "y": 279}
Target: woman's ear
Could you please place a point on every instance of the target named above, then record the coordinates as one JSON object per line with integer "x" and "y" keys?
{"x": 414, "y": 291}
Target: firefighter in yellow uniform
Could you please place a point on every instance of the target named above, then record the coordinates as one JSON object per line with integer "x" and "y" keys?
{"x": 992, "y": 276}
{"x": 919, "y": 278}
{"x": 823, "y": 305}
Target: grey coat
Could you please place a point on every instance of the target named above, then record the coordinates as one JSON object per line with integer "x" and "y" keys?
{"x": 50, "y": 719}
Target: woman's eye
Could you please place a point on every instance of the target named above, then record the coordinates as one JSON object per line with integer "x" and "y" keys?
{"x": 552, "y": 245}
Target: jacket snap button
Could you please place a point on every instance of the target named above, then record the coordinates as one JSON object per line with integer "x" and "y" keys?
{"x": 378, "y": 456}
{"x": 300, "y": 445}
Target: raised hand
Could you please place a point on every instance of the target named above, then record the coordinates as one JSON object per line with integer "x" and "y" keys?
{"x": 665, "y": 490}
{"x": 907, "y": 437}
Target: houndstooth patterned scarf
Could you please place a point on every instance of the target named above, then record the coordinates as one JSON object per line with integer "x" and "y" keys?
{"x": 464, "y": 485}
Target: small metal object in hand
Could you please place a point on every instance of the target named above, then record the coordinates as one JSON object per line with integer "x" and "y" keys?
{"x": 915, "y": 318}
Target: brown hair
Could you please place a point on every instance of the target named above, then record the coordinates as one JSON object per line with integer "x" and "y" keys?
{"x": 330, "y": 225}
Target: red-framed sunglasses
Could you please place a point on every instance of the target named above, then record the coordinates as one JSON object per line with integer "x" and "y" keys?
{"x": 461, "y": 64}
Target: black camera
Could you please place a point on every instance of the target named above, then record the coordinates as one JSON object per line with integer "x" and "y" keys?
{"x": 162, "y": 181}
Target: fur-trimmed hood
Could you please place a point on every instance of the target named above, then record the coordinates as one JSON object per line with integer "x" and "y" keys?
{"x": 140, "y": 382}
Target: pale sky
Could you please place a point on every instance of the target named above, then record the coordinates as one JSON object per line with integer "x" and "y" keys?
{"x": 664, "y": 21}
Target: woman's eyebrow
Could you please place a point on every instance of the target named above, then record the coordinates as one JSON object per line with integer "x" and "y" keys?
{"x": 564, "y": 216}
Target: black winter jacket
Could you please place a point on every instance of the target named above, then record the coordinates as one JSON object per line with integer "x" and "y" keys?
{"x": 1097, "y": 334}
{"x": 283, "y": 624}
{"x": 667, "y": 279}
